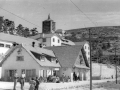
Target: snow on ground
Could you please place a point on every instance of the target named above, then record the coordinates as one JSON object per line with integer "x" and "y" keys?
{"x": 81, "y": 85}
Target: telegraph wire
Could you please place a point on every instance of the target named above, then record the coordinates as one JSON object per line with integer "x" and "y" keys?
{"x": 19, "y": 17}
{"x": 82, "y": 12}
{"x": 88, "y": 17}
{"x": 89, "y": 44}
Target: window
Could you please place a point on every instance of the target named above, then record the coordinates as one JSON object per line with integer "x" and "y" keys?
{"x": 81, "y": 59}
{"x": 44, "y": 39}
{"x": 53, "y": 59}
{"x": 8, "y": 46}
{"x": 30, "y": 73}
{"x": 88, "y": 48}
{"x": 88, "y": 53}
{"x": 42, "y": 58}
{"x": 41, "y": 73}
{"x": 48, "y": 72}
{"x": 53, "y": 40}
{"x": 20, "y": 58}
{"x": 58, "y": 41}
{"x": 1, "y": 45}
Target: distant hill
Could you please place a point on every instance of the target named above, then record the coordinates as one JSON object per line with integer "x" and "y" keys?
{"x": 109, "y": 32}
{"x": 102, "y": 37}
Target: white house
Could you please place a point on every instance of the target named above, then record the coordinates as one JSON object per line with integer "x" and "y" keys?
{"x": 34, "y": 61}
{"x": 52, "y": 39}
{"x": 7, "y": 40}
{"x": 72, "y": 59}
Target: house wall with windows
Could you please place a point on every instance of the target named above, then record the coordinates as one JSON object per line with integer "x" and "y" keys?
{"x": 47, "y": 41}
{"x": 82, "y": 73}
{"x": 79, "y": 68}
{"x": 24, "y": 62}
{"x": 55, "y": 41}
{"x": 87, "y": 50}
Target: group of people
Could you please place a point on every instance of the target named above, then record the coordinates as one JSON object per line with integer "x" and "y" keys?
{"x": 65, "y": 78}
{"x": 34, "y": 82}
{"x": 75, "y": 77}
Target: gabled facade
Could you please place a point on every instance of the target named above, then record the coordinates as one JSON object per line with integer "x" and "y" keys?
{"x": 33, "y": 61}
{"x": 52, "y": 40}
{"x": 72, "y": 60}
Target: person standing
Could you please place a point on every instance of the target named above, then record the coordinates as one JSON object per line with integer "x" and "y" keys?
{"x": 63, "y": 78}
{"x": 22, "y": 80}
{"x": 32, "y": 84}
{"x": 15, "y": 79}
{"x": 37, "y": 83}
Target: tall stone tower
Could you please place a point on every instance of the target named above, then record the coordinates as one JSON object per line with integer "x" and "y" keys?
{"x": 48, "y": 26}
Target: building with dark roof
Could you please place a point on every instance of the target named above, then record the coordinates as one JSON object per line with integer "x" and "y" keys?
{"x": 52, "y": 39}
{"x": 34, "y": 61}
{"x": 7, "y": 41}
{"x": 50, "y": 36}
{"x": 71, "y": 59}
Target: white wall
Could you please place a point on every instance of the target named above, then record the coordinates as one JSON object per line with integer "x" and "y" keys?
{"x": 28, "y": 62}
{"x": 103, "y": 70}
{"x": 87, "y": 50}
{"x": 66, "y": 71}
{"x": 4, "y": 49}
{"x": 0, "y": 72}
{"x": 55, "y": 43}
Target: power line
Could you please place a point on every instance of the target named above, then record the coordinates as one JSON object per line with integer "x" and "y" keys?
{"x": 82, "y": 12}
{"x": 87, "y": 16}
{"x": 20, "y": 17}
{"x": 89, "y": 44}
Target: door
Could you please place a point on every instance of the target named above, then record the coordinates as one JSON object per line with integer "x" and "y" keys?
{"x": 6, "y": 75}
{"x": 11, "y": 75}
{"x": 28, "y": 75}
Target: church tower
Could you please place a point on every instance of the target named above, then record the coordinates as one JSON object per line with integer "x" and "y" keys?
{"x": 48, "y": 26}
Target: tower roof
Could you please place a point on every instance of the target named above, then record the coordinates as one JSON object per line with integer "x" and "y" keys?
{"x": 49, "y": 17}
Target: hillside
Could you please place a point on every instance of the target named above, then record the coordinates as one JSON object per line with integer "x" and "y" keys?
{"x": 110, "y": 32}
{"x": 102, "y": 38}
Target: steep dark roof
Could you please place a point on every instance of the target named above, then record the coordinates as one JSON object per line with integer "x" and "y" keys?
{"x": 66, "y": 55}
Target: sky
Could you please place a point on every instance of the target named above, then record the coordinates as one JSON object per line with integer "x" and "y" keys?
{"x": 88, "y": 13}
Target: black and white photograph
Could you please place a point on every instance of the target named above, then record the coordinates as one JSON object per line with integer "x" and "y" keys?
{"x": 59, "y": 44}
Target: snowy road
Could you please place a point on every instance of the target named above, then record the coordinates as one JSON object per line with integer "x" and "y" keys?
{"x": 82, "y": 85}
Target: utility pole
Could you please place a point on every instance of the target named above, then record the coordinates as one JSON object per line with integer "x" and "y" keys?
{"x": 116, "y": 64}
{"x": 90, "y": 61}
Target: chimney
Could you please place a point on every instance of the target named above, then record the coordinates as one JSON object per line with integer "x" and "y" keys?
{"x": 15, "y": 44}
{"x": 40, "y": 45}
{"x": 33, "y": 44}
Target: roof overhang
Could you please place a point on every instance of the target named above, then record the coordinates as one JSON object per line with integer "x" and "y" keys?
{"x": 81, "y": 67}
